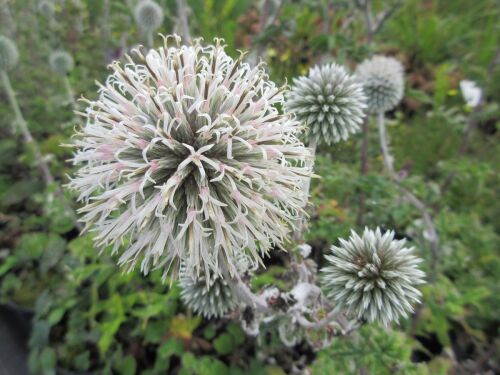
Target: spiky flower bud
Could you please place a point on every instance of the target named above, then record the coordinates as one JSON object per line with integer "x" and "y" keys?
{"x": 185, "y": 157}
{"x": 329, "y": 101}
{"x": 210, "y": 298}
{"x": 373, "y": 276}
{"x": 9, "y": 55}
{"x": 148, "y": 15}
{"x": 46, "y": 8}
{"x": 383, "y": 82}
{"x": 61, "y": 62}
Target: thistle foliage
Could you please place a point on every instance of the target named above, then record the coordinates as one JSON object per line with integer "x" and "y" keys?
{"x": 61, "y": 62}
{"x": 148, "y": 15}
{"x": 9, "y": 55}
{"x": 329, "y": 101}
{"x": 185, "y": 157}
{"x": 383, "y": 82}
{"x": 373, "y": 276}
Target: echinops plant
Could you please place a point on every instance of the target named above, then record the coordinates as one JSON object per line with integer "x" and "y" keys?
{"x": 383, "y": 83}
{"x": 373, "y": 277}
{"x": 188, "y": 163}
{"x": 329, "y": 101}
{"x": 185, "y": 157}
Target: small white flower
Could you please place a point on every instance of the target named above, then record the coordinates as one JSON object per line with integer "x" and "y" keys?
{"x": 185, "y": 156}
{"x": 471, "y": 92}
{"x": 373, "y": 276}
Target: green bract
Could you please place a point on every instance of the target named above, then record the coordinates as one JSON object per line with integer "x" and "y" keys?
{"x": 373, "y": 276}
{"x": 329, "y": 101}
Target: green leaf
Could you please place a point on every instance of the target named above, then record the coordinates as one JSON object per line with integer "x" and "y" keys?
{"x": 56, "y": 315}
{"x": 126, "y": 366}
{"x": 237, "y": 333}
{"x": 171, "y": 347}
{"x": 109, "y": 328}
{"x": 48, "y": 361}
{"x": 40, "y": 334}
{"x": 224, "y": 344}
{"x": 82, "y": 361}
{"x": 209, "y": 332}
{"x": 8, "y": 263}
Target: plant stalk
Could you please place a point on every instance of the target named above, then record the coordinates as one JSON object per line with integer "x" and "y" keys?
{"x": 432, "y": 235}
{"x": 182, "y": 22}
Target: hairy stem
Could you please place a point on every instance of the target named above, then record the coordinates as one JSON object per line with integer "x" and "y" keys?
{"x": 69, "y": 90}
{"x": 182, "y": 21}
{"x": 363, "y": 170}
{"x": 240, "y": 289}
{"x": 149, "y": 39}
{"x": 269, "y": 12}
{"x": 298, "y": 235}
{"x": 432, "y": 235}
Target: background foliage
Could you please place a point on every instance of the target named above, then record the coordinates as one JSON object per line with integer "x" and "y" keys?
{"x": 89, "y": 317}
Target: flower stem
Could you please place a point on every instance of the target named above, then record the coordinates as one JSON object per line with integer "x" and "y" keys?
{"x": 182, "y": 22}
{"x": 149, "y": 38}
{"x": 432, "y": 235}
{"x": 298, "y": 235}
{"x": 69, "y": 90}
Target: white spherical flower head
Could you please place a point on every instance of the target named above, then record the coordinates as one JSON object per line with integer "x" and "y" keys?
{"x": 329, "y": 101}
{"x": 148, "y": 15}
{"x": 185, "y": 157}
{"x": 9, "y": 55}
{"x": 373, "y": 276}
{"x": 383, "y": 82}
{"x": 61, "y": 62}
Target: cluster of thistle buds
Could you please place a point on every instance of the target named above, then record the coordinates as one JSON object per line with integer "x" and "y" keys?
{"x": 188, "y": 165}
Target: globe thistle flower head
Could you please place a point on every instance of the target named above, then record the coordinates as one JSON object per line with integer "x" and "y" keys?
{"x": 329, "y": 101}
{"x": 148, "y": 15}
{"x": 209, "y": 296}
{"x": 9, "y": 55}
{"x": 185, "y": 156}
{"x": 373, "y": 276}
{"x": 383, "y": 82}
{"x": 61, "y": 62}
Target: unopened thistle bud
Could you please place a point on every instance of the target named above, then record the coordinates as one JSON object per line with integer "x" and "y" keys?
{"x": 46, "y": 8}
{"x": 9, "y": 55}
{"x": 210, "y": 297}
{"x": 383, "y": 83}
{"x": 185, "y": 157}
{"x": 329, "y": 101}
{"x": 61, "y": 62}
{"x": 148, "y": 15}
{"x": 373, "y": 277}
